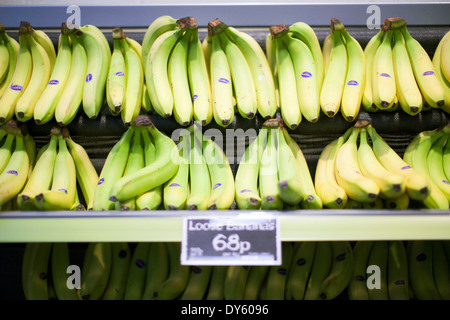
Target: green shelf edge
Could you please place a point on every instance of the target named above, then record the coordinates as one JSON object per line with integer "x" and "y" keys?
{"x": 299, "y": 225}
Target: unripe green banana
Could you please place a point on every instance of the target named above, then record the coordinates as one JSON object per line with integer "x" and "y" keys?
{"x": 235, "y": 282}
{"x": 379, "y": 257}
{"x": 217, "y": 283}
{"x": 277, "y": 275}
{"x": 322, "y": 264}
{"x": 60, "y": 261}
{"x": 441, "y": 269}
{"x": 157, "y": 268}
{"x": 137, "y": 272}
{"x": 398, "y": 278}
{"x": 436, "y": 165}
{"x": 255, "y": 280}
{"x": 198, "y": 283}
{"x": 357, "y": 286}
{"x": 35, "y": 270}
{"x": 120, "y": 266}
{"x": 302, "y": 261}
{"x": 96, "y": 270}
{"x": 246, "y": 180}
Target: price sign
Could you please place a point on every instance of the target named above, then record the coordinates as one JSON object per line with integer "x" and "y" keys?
{"x": 237, "y": 240}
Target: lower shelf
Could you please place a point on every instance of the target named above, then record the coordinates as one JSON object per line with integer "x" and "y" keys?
{"x": 298, "y": 225}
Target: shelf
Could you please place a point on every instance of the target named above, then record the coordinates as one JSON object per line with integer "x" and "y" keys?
{"x": 300, "y": 225}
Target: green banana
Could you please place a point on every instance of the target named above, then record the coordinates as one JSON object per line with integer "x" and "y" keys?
{"x": 255, "y": 280}
{"x": 441, "y": 269}
{"x": 357, "y": 286}
{"x": 302, "y": 261}
{"x": 379, "y": 255}
{"x": 60, "y": 261}
{"x": 321, "y": 266}
{"x": 157, "y": 268}
{"x": 96, "y": 269}
{"x": 235, "y": 282}
{"x": 216, "y": 283}
{"x": 120, "y": 266}
{"x": 398, "y": 278}
{"x": 198, "y": 283}
{"x": 35, "y": 268}
{"x": 277, "y": 275}
{"x": 135, "y": 285}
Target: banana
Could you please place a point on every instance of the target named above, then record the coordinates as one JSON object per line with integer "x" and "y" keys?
{"x": 445, "y": 61}
{"x": 146, "y": 103}
{"x": 96, "y": 269}
{"x": 4, "y": 60}
{"x": 429, "y": 84}
{"x": 157, "y": 268}
{"x": 379, "y": 255}
{"x": 260, "y": 69}
{"x": 135, "y": 162}
{"x": 112, "y": 171}
{"x": 302, "y": 260}
{"x": 221, "y": 81}
{"x": 322, "y": 264}
{"x": 175, "y": 192}
{"x": 199, "y": 81}
{"x": 60, "y": 260}
{"x": 178, "y": 278}
{"x": 61, "y": 195}
{"x": 120, "y": 266}
{"x": 96, "y": 72}
{"x": 255, "y": 280}
{"x": 418, "y": 160}
{"x": 117, "y": 75}
{"x": 13, "y": 50}
{"x": 383, "y": 78}
{"x": 44, "y": 110}
{"x": 44, "y": 40}
{"x": 20, "y": 78}
{"x": 441, "y": 269}
{"x": 14, "y": 177}
{"x": 436, "y": 165}
{"x": 155, "y": 71}
{"x": 177, "y": 70}
{"x": 222, "y": 179}
{"x": 246, "y": 179}
{"x": 326, "y": 51}
{"x": 438, "y": 66}
{"x": 77, "y": 205}
{"x": 40, "y": 75}
{"x": 287, "y": 83}
{"x": 241, "y": 78}
{"x": 400, "y": 203}
{"x": 206, "y": 48}
{"x": 151, "y": 199}
{"x": 377, "y": 204}
{"x": 161, "y": 170}
{"x": 199, "y": 175}
{"x": 72, "y": 96}
{"x": 398, "y": 278}
{"x": 369, "y": 52}
{"x": 391, "y": 185}
{"x": 159, "y": 26}
{"x": 198, "y": 283}
{"x": 137, "y": 272}
{"x": 334, "y": 78}
{"x": 268, "y": 175}
{"x": 277, "y": 275}
{"x": 305, "y": 73}
{"x": 41, "y": 177}
{"x": 416, "y": 184}
{"x": 420, "y": 268}
{"x": 446, "y": 160}
{"x": 35, "y": 268}
{"x": 86, "y": 173}
{"x": 408, "y": 91}
{"x": 235, "y": 282}
{"x": 217, "y": 283}
{"x": 290, "y": 187}
{"x": 354, "y": 82}
{"x": 341, "y": 270}
{"x": 6, "y": 150}
{"x": 348, "y": 174}
{"x": 357, "y": 286}
{"x": 327, "y": 188}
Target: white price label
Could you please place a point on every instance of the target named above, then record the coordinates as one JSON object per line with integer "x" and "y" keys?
{"x": 237, "y": 240}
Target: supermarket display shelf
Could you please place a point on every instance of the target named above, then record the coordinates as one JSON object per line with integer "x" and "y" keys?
{"x": 154, "y": 226}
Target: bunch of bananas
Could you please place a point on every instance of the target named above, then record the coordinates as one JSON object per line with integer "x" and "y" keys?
{"x": 136, "y": 168}
{"x": 49, "y": 83}
{"x": 429, "y": 154}
{"x": 344, "y": 67}
{"x": 296, "y": 61}
{"x": 441, "y": 65}
{"x": 62, "y": 168}
{"x": 176, "y": 76}
{"x": 404, "y": 270}
{"x": 125, "y": 88}
{"x": 241, "y": 77}
{"x": 9, "y": 49}
{"x": 399, "y": 72}
{"x": 273, "y": 173}
{"x": 360, "y": 166}
{"x": 17, "y": 160}
{"x": 204, "y": 179}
